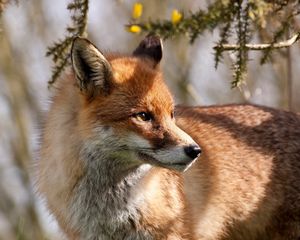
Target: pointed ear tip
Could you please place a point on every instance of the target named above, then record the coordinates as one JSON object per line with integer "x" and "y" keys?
{"x": 150, "y": 47}
{"x": 153, "y": 35}
{"x": 154, "y": 39}
{"x": 79, "y": 41}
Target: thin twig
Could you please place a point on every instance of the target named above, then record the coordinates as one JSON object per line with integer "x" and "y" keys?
{"x": 283, "y": 44}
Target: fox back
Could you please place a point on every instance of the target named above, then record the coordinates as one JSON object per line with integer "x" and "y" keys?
{"x": 119, "y": 161}
{"x": 246, "y": 184}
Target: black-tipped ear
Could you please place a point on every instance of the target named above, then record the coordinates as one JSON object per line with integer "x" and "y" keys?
{"x": 93, "y": 72}
{"x": 151, "y": 47}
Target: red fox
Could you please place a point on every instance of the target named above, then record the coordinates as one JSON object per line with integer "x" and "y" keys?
{"x": 119, "y": 161}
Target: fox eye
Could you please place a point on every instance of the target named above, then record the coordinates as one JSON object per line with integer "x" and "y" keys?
{"x": 172, "y": 114}
{"x": 143, "y": 116}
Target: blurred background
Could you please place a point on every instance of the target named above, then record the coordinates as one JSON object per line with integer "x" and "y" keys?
{"x": 27, "y": 28}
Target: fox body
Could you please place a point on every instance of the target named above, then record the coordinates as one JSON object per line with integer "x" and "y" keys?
{"x": 114, "y": 163}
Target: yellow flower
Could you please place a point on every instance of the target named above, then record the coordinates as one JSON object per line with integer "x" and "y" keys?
{"x": 134, "y": 29}
{"x": 176, "y": 16}
{"x": 137, "y": 10}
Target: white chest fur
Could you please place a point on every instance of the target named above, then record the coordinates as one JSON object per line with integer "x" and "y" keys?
{"x": 104, "y": 204}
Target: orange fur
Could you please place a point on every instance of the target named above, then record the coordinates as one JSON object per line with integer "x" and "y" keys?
{"x": 245, "y": 185}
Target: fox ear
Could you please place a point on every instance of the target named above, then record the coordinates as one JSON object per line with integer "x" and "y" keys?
{"x": 151, "y": 48}
{"x": 92, "y": 71}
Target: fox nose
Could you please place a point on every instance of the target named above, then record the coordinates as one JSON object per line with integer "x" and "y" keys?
{"x": 192, "y": 151}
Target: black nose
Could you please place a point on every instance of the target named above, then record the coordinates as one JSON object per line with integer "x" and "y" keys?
{"x": 192, "y": 151}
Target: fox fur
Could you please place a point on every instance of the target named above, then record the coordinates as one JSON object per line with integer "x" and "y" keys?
{"x": 115, "y": 164}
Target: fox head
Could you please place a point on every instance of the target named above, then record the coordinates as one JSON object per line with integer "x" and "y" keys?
{"x": 127, "y": 111}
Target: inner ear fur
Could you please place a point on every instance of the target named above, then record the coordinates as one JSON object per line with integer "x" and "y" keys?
{"x": 151, "y": 48}
{"x": 92, "y": 71}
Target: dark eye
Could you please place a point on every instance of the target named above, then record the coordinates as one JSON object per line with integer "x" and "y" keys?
{"x": 172, "y": 114}
{"x": 143, "y": 116}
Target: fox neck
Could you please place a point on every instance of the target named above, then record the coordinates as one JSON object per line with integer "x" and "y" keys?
{"x": 106, "y": 205}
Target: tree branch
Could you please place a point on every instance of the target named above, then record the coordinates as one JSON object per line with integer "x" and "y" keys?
{"x": 283, "y": 44}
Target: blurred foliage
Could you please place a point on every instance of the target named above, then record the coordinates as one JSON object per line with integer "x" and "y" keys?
{"x": 60, "y": 49}
{"x": 236, "y": 19}
{"x": 3, "y": 4}
{"x": 23, "y": 220}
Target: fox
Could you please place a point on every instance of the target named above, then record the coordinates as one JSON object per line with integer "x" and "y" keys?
{"x": 118, "y": 159}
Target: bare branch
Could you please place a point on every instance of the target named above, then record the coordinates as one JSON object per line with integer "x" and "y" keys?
{"x": 283, "y": 44}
